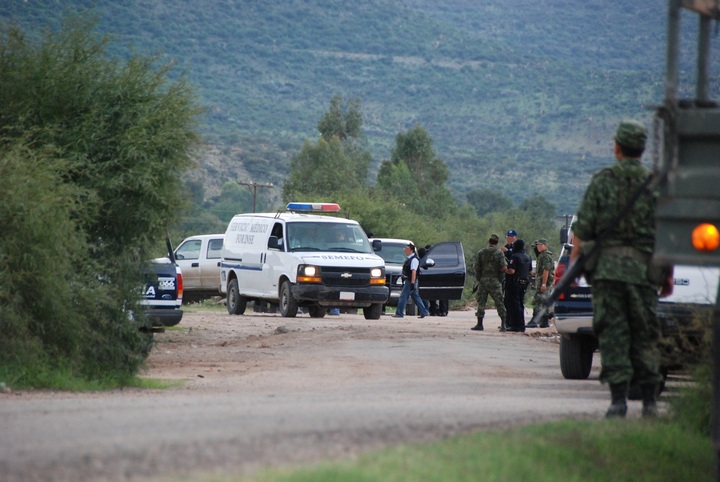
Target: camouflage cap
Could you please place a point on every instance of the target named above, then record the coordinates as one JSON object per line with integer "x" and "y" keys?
{"x": 631, "y": 134}
{"x": 542, "y": 241}
{"x": 494, "y": 237}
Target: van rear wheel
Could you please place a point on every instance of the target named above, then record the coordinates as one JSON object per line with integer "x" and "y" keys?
{"x": 236, "y": 303}
{"x": 288, "y": 304}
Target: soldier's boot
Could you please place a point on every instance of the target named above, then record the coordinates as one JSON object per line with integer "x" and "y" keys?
{"x": 503, "y": 326}
{"x": 531, "y": 323}
{"x": 649, "y": 397}
{"x": 479, "y": 326}
{"x": 618, "y": 406}
{"x": 545, "y": 321}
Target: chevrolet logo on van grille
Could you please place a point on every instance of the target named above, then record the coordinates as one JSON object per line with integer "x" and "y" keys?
{"x": 346, "y": 275}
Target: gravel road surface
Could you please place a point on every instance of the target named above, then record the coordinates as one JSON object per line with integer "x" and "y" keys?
{"x": 260, "y": 389}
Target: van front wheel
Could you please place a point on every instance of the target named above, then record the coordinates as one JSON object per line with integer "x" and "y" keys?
{"x": 236, "y": 303}
{"x": 373, "y": 312}
{"x": 288, "y": 304}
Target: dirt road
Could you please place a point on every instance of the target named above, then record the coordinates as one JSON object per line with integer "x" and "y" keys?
{"x": 260, "y": 389}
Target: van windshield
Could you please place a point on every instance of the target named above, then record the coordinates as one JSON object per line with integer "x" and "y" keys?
{"x": 341, "y": 237}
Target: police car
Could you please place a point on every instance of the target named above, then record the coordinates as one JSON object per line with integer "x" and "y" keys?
{"x": 162, "y": 293}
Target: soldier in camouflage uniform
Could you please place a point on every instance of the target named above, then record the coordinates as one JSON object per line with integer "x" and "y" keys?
{"x": 489, "y": 268}
{"x": 544, "y": 279}
{"x": 624, "y": 290}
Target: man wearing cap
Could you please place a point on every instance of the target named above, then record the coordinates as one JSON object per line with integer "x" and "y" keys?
{"x": 624, "y": 289}
{"x": 544, "y": 278}
{"x": 489, "y": 269}
{"x": 410, "y": 284}
{"x": 510, "y": 237}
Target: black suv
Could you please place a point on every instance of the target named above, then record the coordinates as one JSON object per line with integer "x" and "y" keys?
{"x": 442, "y": 274}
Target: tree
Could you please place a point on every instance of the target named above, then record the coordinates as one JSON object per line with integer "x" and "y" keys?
{"x": 343, "y": 122}
{"x": 113, "y": 140}
{"x": 538, "y": 207}
{"x": 487, "y": 201}
{"x": 233, "y": 199}
{"x": 415, "y": 175}
{"x": 339, "y": 160}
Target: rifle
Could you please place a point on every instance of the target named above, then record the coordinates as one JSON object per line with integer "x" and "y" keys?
{"x": 573, "y": 272}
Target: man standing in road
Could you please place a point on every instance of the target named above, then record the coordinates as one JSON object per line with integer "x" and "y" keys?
{"x": 410, "y": 284}
{"x": 489, "y": 269}
{"x": 624, "y": 285}
{"x": 510, "y": 237}
{"x": 544, "y": 279}
{"x": 517, "y": 280}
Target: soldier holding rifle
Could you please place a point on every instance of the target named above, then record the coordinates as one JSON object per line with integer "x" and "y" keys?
{"x": 618, "y": 213}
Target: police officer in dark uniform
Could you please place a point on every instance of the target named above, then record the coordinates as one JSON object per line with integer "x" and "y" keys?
{"x": 517, "y": 279}
{"x": 510, "y": 237}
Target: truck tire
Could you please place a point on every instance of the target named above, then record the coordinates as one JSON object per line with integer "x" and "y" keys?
{"x": 317, "y": 311}
{"x": 576, "y": 354}
{"x": 373, "y": 312}
{"x": 288, "y": 304}
{"x": 236, "y": 303}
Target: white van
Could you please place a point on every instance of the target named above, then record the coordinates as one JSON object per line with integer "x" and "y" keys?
{"x": 298, "y": 259}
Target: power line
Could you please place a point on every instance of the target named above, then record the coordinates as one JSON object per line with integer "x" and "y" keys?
{"x": 254, "y": 186}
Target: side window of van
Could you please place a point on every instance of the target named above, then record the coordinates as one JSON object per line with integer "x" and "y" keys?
{"x": 277, "y": 231}
{"x": 214, "y": 248}
{"x": 189, "y": 250}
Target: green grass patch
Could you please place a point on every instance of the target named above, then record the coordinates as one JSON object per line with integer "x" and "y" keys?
{"x": 629, "y": 450}
{"x": 154, "y": 383}
{"x": 212, "y": 304}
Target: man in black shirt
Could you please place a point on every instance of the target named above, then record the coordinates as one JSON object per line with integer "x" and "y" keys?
{"x": 517, "y": 278}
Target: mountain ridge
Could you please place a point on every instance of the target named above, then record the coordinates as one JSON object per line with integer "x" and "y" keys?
{"x": 518, "y": 97}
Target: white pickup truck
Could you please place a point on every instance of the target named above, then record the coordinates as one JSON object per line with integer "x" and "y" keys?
{"x": 199, "y": 259}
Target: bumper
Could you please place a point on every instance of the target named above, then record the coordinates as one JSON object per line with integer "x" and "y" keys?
{"x": 574, "y": 323}
{"x": 394, "y": 295}
{"x": 331, "y": 296}
{"x": 164, "y": 317}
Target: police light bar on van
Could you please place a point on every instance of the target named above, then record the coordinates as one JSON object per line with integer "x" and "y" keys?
{"x": 314, "y": 207}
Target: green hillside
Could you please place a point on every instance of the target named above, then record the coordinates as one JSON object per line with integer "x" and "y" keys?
{"x": 521, "y": 97}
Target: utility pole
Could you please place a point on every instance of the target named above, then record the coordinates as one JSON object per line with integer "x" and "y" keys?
{"x": 254, "y": 186}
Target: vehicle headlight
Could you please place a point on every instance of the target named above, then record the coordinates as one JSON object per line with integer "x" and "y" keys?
{"x": 309, "y": 274}
{"x": 377, "y": 276}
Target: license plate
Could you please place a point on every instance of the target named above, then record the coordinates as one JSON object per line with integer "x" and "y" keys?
{"x": 347, "y": 296}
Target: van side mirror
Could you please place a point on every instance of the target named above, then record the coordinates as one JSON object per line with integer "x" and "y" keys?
{"x": 376, "y": 245}
{"x": 275, "y": 243}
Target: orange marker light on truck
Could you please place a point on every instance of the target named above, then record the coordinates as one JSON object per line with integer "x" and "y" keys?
{"x": 705, "y": 237}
